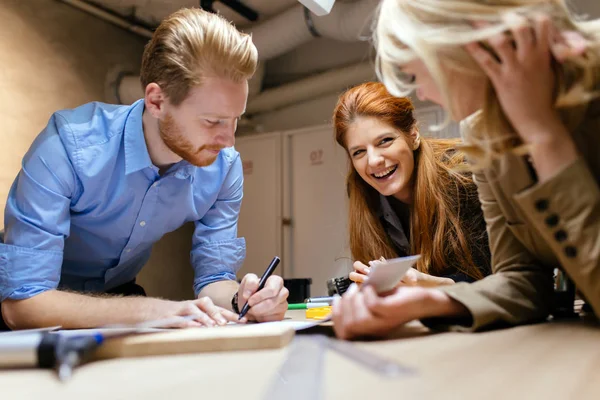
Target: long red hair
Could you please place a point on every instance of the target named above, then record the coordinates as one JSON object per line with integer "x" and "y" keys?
{"x": 435, "y": 229}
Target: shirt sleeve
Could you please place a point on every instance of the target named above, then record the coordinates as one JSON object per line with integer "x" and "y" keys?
{"x": 37, "y": 217}
{"x": 217, "y": 253}
{"x": 565, "y": 210}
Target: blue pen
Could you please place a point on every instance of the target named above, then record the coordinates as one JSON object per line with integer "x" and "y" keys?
{"x": 47, "y": 350}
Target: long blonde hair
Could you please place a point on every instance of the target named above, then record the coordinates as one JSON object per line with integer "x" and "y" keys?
{"x": 192, "y": 44}
{"x": 435, "y": 32}
{"x": 435, "y": 229}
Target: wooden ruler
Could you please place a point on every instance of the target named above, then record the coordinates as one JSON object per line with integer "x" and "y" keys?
{"x": 181, "y": 341}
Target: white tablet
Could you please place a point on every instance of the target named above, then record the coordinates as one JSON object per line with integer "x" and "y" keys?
{"x": 385, "y": 276}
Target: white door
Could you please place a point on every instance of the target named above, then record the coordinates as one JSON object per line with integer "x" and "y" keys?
{"x": 315, "y": 202}
{"x": 260, "y": 216}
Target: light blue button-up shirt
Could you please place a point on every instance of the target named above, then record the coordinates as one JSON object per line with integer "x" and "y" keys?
{"x": 88, "y": 204}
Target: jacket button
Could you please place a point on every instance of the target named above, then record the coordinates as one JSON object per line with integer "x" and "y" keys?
{"x": 571, "y": 251}
{"x": 542, "y": 205}
{"x": 552, "y": 220}
{"x": 560, "y": 235}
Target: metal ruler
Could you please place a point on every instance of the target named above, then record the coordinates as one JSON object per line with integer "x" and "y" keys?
{"x": 300, "y": 375}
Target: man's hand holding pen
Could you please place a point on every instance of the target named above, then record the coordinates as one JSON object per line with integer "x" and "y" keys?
{"x": 266, "y": 304}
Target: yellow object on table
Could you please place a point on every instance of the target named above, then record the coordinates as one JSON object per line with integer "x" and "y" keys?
{"x": 318, "y": 313}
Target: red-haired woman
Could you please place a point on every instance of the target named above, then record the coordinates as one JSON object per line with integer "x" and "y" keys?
{"x": 406, "y": 195}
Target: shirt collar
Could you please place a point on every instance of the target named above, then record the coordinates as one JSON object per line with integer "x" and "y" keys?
{"x": 394, "y": 228}
{"x": 136, "y": 152}
{"x": 183, "y": 170}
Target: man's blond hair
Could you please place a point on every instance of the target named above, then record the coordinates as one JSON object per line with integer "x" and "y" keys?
{"x": 192, "y": 44}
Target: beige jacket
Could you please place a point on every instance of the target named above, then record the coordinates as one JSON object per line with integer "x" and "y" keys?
{"x": 534, "y": 228}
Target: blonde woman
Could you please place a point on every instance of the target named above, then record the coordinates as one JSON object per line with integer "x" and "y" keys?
{"x": 523, "y": 76}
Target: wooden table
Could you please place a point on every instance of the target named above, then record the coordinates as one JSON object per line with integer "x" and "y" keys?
{"x": 559, "y": 360}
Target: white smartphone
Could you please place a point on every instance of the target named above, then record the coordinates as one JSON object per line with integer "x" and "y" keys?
{"x": 385, "y": 275}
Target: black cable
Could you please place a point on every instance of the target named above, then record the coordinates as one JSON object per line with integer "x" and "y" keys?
{"x": 241, "y": 9}
{"x": 235, "y": 5}
{"x": 310, "y": 24}
{"x": 207, "y": 5}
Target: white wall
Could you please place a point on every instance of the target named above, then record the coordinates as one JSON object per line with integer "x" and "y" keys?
{"x": 52, "y": 56}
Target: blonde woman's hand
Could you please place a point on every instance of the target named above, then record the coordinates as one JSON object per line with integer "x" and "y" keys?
{"x": 523, "y": 79}
{"x": 364, "y": 313}
{"x": 522, "y": 75}
{"x": 569, "y": 44}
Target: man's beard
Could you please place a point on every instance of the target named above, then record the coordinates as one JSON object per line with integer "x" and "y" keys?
{"x": 178, "y": 144}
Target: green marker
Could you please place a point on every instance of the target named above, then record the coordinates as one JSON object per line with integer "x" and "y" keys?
{"x": 304, "y": 306}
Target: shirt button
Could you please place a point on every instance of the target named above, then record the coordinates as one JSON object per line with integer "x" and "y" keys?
{"x": 571, "y": 251}
{"x": 127, "y": 250}
{"x": 155, "y": 184}
{"x": 542, "y": 205}
{"x": 552, "y": 220}
{"x": 560, "y": 235}
{"x": 143, "y": 223}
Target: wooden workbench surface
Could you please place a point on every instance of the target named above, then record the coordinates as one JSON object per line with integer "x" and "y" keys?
{"x": 544, "y": 361}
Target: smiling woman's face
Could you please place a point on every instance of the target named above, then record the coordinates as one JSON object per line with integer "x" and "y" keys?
{"x": 382, "y": 156}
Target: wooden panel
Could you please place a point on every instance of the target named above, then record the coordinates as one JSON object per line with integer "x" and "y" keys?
{"x": 49, "y": 62}
{"x": 201, "y": 340}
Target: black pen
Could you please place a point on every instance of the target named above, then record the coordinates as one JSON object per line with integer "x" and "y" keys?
{"x": 261, "y": 284}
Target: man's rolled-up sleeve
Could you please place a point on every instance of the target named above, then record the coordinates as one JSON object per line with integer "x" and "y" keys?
{"x": 217, "y": 253}
{"x": 37, "y": 217}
